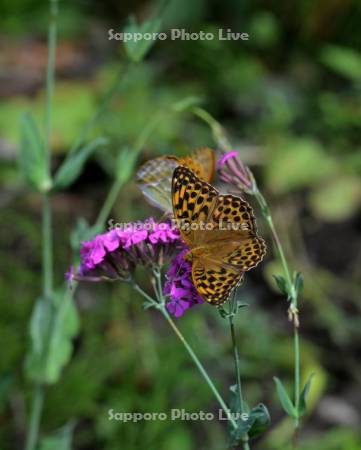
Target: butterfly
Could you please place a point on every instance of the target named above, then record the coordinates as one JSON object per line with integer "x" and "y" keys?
{"x": 220, "y": 231}
{"x": 154, "y": 178}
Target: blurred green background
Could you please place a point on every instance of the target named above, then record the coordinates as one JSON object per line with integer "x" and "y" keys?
{"x": 290, "y": 100}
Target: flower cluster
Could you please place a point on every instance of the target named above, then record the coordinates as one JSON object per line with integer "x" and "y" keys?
{"x": 114, "y": 255}
{"x": 179, "y": 286}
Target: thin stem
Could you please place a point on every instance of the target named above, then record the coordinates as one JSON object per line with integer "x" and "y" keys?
{"x": 161, "y": 307}
{"x": 267, "y": 214}
{"x": 245, "y": 437}
{"x": 50, "y": 75}
{"x": 236, "y": 362}
{"x": 293, "y": 298}
{"x": 47, "y": 248}
{"x": 118, "y": 182}
{"x": 37, "y": 406}
{"x": 217, "y": 129}
{"x": 145, "y": 295}
{"x": 108, "y": 96}
{"x": 109, "y": 202}
{"x": 200, "y": 366}
{"x": 157, "y": 274}
{"x": 47, "y": 238}
{"x": 296, "y": 342}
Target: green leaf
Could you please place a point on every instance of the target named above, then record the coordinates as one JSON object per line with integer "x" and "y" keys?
{"x": 303, "y": 396}
{"x": 236, "y": 409}
{"x": 234, "y": 403}
{"x": 344, "y": 61}
{"x": 282, "y": 284}
{"x": 53, "y": 325}
{"x": 298, "y": 282}
{"x": 32, "y": 157}
{"x": 73, "y": 164}
{"x": 137, "y": 48}
{"x": 253, "y": 422}
{"x": 60, "y": 440}
{"x": 290, "y": 169}
{"x": 260, "y": 419}
{"x": 286, "y": 402}
{"x": 336, "y": 200}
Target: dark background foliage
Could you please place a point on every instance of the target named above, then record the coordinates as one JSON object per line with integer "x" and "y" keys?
{"x": 290, "y": 99}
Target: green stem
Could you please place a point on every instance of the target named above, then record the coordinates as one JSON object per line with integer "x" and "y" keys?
{"x": 50, "y": 75}
{"x": 161, "y": 307}
{"x": 47, "y": 249}
{"x": 118, "y": 182}
{"x": 236, "y": 362}
{"x": 297, "y": 367}
{"x": 221, "y": 138}
{"x": 293, "y": 298}
{"x": 217, "y": 129}
{"x": 245, "y": 438}
{"x": 47, "y": 239}
{"x": 267, "y": 215}
{"x": 200, "y": 366}
{"x": 145, "y": 295}
{"x": 109, "y": 202}
{"x": 37, "y": 406}
{"x": 108, "y": 96}
{"x": 158, "y": 287}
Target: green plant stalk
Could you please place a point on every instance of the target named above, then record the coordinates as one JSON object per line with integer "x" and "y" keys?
{"x": 293, "y": 298}
{"x": 108, "y": 96}
{"x": 109, "y": 202}
{"x": 221, "y": 138}
{"x": 160, "y": 305}
{"x": 112, "y": 90}
{"x": 297, "y": 370}
{"x": 37, "y": 407}
{"x": 47, "y": 248}
{"x": 245, "y": 438}
{"x": 119, "y": 182}
{"x": 201, "y": 368}
{"x": 217, "y": 129}
{"x": 47, "y": 239}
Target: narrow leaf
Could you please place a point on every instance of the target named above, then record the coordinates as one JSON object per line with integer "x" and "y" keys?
{"x": 282, "y": 284}
{"x": 344, "y": 61}
{"x": 253, "y": 422}
{"x": 135, "y": 46}
{"x": 73, "y": 164}
{"x": 298, "y": 282}
{"x": 303, "y": 396}
{"x": 286, "y": 402}
{"x": 32, "y": 158}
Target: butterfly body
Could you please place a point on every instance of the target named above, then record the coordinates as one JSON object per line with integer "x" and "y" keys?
{"x": 220, "y": 231}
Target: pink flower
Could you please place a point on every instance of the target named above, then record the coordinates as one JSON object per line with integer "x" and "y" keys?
{"x": 114, "y": 255}
{"x": 179, "y": 287}
{"x": 233, "y": 171}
